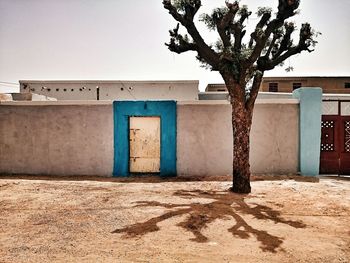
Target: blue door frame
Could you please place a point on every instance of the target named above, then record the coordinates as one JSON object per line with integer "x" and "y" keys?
{"x": 166, "y": 110}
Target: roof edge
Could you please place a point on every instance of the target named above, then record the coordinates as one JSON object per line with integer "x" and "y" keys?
{"x": 109, "y": 81}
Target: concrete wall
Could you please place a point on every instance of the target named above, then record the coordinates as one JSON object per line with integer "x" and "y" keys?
{"x": 275, "y": 138}
{"x": 150, "y": 90}
{"x": 56, "y": 139}
{"x": 204, "y": 138}
{"x": 114, "y": 90}
{"x": 30, "y": 97}
{"x": 61, "y": 90}
{"x": 77, "y": 138}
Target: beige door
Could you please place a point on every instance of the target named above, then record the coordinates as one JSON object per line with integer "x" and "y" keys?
{"x": 144, "y": 144}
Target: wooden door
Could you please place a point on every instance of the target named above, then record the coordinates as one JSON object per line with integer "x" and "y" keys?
{"x": 335, "y": 138}
{"x": 144, "y": 144}
{"x": 330, "y": 148}
{"x": 344, "y": 155}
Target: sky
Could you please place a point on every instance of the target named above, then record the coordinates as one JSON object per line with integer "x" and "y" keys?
{"x": 124, "y": 40}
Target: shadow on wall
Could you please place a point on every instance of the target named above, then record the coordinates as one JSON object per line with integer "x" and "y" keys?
{"x": 225, "y": 205}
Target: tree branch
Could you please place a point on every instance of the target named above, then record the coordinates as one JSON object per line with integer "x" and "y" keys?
{"x": 305, "y": 41}
{"x": 286, "y": 9}
{"x": 222, "y": 24}
{"x": 263, "y": 21}
{"x": 173, "y": 11}
{"x": 230, "y": 15}
{"x": 286, "y": 40}
{"x": 254, "y": 90}
{"x": 190, "y": 8}
{"x": 277, "y": 35}
{"x": 178, "y": 43}
{"x": 237, "y": 28}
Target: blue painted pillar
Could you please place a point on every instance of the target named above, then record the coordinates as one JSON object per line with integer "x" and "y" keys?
{"x": 309, "y": 129}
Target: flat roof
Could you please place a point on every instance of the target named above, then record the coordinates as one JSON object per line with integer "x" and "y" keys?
{"x": 291, "y": 77}
{"x": 309, "y": 77}
{"x": 109, "y": 81}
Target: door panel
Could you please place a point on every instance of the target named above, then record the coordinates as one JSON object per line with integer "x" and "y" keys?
{"x": 329, "y": 159}
{"x": 345, "y": 146}
{"x": 335, "y": 138}
{"x": 144, "y": 144}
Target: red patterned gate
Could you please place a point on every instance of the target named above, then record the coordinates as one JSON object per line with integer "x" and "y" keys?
{"x": 345, "y": 146}
{"x": 335, "y": 138}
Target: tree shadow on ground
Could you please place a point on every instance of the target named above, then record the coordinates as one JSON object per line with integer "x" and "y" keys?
{"x": 224, "y": 206}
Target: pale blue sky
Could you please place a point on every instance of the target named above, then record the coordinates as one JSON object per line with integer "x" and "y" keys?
{"x": 124, "y": 39}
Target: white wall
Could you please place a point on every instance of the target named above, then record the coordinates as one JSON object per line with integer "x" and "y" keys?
{"x": 77, "y": 138}
{"x": 150, "y": 90}
{"x": 61, "y": 90}
{"x": 114, "y": 90}
{"x": 53, "y": 139}
{"x": 204, "y": 138}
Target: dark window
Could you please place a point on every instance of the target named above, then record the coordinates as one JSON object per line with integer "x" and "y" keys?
{"x": 64, "y": 89}
{"x": 273, "y": 87}
{"x": 57, "y": 89}
{"x": 48, "y": 89}
{"x": 296, "y": 86}
{"x": 72, "y": 90}
{"x": 222, "y": 90}
{"x": 347, "y": 85}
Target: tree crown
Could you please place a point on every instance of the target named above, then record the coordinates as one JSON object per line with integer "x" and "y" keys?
{"x": 269, "y": 44}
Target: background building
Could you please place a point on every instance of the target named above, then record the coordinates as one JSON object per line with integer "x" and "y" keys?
{"x": 183, "y": 90}
{"x": 288, "y": 84}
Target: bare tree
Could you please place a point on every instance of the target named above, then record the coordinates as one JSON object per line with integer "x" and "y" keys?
{"x": 241, "y": 64}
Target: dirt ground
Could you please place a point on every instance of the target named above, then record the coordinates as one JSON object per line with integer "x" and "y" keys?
{"x": 174, "y": 220}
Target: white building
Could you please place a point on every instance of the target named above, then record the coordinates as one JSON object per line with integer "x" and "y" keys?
{"x": 113, "y": 90}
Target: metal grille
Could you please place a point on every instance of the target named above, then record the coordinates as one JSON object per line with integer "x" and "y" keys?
{"x": 347, "y": 136}
{"x": 327, "y": 124}
{"x": 325, "y": 147}
{"x": 327, "y": 144}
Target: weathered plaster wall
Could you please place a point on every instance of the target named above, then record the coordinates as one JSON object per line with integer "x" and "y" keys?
{"x": 150, "y": 90}
{"x": 275, "y": 139}
{"x": 56, "y": 139}
{"x": 204, "y": 139}
{"x": 61, "y": 138}
{"x": 179, "y": 90}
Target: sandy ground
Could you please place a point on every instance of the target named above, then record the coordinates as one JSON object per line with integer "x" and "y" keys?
{"x": 173, "y": 221}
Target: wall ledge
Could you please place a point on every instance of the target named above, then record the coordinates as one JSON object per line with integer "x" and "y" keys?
{"x": 224, "y": 102}
{"x": 110, "y": 81}
{"x": 109, "y": 102}
{"x": 56, "y": 103}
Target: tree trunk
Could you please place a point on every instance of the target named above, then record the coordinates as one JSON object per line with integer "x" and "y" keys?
{"x": 241, "y": 124}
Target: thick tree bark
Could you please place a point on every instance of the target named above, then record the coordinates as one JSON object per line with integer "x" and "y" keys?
{"x": 241, "y": 124}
